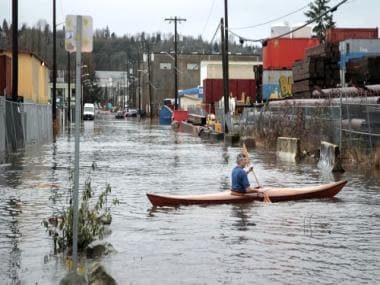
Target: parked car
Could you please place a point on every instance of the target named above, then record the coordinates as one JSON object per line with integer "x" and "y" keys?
{"x": 120, "y": 114}
{"x": 131, "y": 113}
{"x": 89, "y": 111}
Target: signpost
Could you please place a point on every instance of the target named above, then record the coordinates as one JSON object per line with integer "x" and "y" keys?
{"x": 78, "y": 39}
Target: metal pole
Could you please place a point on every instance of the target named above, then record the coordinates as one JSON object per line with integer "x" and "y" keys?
{"x": 68, "y": 88}
{"x": 14, "y": 50}
{"x": 54, "y": 107}
{"x": 78, "y": 106}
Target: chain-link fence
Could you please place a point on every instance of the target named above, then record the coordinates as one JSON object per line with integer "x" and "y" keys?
{"x": 351, "y": 123}
{"x": 23, "y": 124}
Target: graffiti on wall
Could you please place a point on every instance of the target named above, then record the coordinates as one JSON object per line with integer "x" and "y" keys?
{"x": 285, "y": 83}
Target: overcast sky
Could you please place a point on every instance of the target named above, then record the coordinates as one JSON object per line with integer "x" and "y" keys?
{"x": 203, "y": 16}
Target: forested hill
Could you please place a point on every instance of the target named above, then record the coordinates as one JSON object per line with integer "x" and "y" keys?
{"x": 111, "y": 52}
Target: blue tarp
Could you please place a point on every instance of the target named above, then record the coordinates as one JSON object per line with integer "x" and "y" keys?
{"x": 192, "y": 91}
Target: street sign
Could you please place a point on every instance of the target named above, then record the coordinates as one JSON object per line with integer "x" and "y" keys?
{"x": 72, "y": 35}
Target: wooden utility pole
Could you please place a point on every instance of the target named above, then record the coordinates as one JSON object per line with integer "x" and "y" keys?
{"x": 53, "y": 104}
{"x": 175, "y": 20}
{"x": 14, "y": 50}
{"x": 226, "y": 72}
{"x": 225, "y": 80}
{"x": 150, "y": 84}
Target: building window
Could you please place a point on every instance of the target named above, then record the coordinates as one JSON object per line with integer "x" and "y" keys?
{"x": 167, "y": 66}
{"x": 192, "y": 66}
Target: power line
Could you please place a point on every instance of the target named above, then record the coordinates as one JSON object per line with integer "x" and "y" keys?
{"x": 208, "y": 18}
{"x": 273, "y": 20}
{"x": 216, "y": 31}
{"x": 333, "y": 9}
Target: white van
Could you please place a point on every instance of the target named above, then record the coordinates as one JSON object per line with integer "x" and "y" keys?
{"x": 89, "y": 111}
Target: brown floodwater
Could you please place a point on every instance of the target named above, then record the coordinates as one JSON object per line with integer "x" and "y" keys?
{"x": 330, "y": 241}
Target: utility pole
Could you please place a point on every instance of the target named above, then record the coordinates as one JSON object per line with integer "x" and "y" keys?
{"x": 226, "y": 72}
{"x": 68, "y": 88}
{"x": 150, "y": 85}
{"x": 14, "y": 50}
{"x": 54, "y": 62}
{"x": 175, "y": 20}
{"x": 225, "y": 81}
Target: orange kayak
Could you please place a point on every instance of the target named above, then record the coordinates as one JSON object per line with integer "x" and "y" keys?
{"x": 275, "y": 195}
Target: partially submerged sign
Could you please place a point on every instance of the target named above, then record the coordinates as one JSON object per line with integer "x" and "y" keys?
{"x": 84, "y": 32}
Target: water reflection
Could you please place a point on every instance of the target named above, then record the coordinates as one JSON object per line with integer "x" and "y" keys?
{"x": 242, "y": 215}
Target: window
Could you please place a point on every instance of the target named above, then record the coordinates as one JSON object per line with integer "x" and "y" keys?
{"x": 166, "y": 66}
{"x": 192, "y": 66}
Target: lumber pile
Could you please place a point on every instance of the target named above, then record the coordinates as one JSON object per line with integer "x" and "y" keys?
{"x": 319, "y": 69}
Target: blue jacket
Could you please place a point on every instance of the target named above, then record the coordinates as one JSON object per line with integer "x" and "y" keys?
{"x": 239, "y": 180}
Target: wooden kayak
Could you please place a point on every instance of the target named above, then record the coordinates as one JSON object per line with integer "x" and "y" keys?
{"x": 275, "y": 195}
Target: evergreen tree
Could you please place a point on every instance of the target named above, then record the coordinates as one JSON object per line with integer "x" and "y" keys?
{"x": 323, "y": 23}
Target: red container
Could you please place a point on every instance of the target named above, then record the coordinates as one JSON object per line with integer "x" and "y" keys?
{"x": 5, "y": 75}
{"x": 180, "y": 115}
{"x": 213, "y": 90}
{"x": 335, "y": 35}
{"x": 283, "y": 52}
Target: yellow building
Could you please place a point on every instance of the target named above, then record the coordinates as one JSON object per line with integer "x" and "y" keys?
{"x": 32, "y": 77}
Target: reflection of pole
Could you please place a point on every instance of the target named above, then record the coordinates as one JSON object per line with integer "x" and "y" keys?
{"x": 78, "y": 96}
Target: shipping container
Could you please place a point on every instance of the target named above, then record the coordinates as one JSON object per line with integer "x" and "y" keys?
{"x": 335, "y": 35}
{"x": 213, "y": 90}
{"x": 282, "y": 53}
{"x": 277, "y": 84}
{"x": 359, "y": 45}
{"x": 237, "y": 70}
{"x": 5, "y": 75}
{"x": 357, "y": 48}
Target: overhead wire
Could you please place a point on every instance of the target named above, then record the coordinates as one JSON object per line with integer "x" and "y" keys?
{"x": 273, "y": 20}
{"x": 333, "y": 9}
{"x": 208, "y": 17}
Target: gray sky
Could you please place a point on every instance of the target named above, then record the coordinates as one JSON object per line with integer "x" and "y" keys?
{"x": 203, "y": 16}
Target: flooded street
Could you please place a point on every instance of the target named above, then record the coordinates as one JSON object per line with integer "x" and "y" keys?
{"x": 333, "y": 241}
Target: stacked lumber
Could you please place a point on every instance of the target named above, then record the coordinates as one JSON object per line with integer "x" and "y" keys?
{"x": 319, "y": 69}
{"x": 363, "y": 71}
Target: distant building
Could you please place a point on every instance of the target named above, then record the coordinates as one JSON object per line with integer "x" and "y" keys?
{"x": 189, "y": 73}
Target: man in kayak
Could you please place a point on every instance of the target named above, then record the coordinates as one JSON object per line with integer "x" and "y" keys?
{"x": 240, "y": 183}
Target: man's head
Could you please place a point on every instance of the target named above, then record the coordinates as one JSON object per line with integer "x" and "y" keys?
{"x": 241, "y": 159}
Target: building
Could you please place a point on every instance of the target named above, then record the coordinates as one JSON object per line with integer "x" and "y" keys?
{"x": 161, "y": 74}
{"x": 32, "y": 77}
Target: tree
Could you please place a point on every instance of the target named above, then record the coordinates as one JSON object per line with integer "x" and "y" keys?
{"x": 318, "y": 8}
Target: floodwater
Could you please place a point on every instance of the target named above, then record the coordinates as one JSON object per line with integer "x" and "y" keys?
{"x": 333, "y": 241}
